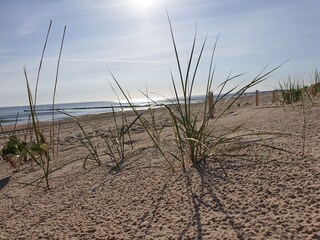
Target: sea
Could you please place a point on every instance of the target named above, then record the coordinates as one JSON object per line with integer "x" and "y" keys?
{"x": 20, "y": 114}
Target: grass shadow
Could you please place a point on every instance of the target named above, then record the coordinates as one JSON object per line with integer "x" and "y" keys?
{"x": 4, "y": 182}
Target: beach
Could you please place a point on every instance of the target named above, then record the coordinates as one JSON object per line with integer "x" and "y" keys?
{"x": 271, "y": 190}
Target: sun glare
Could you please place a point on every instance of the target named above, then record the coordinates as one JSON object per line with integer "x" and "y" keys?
{"x": 143, "y": 5}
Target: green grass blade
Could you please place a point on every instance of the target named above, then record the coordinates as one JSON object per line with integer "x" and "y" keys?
{"x": 40, "y": 64}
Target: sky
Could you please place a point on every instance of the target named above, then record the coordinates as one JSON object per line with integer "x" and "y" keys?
{"x": 131, "y": 38}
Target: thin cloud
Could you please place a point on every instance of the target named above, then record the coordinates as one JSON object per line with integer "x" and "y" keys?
{"x": 88, "y": 60}
{"x": 8, "y": 50}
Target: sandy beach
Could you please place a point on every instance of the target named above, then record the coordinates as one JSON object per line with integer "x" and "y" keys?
{"x": 269, "y": 193}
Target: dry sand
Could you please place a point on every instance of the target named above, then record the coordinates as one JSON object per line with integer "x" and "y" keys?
{"x": 270, "y": 195}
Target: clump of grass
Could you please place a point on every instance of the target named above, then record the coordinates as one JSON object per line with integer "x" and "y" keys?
{"x": 38, "y": 148}
{"x": 87, "y": 143}
{"x": 116, "y": 142}
{"x": 294, "y": 91}
{"x": 315, "y": 85}
{"x": 155, "y": 127}
{"x": 291, "y": 91}
{"x": 195, "y": 139}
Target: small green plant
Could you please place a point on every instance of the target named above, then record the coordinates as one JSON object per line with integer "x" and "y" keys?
{"x": 12, "y": 151}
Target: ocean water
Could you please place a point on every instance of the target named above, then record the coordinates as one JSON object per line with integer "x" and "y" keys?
{"x": 8, "y": 115}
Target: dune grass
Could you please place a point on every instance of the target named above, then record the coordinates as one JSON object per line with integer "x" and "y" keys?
{"x": 291, "y": 91}
{"x": 39, "y": 149}
{"x": 295, "y": 93}
{"x": 315, "y": 84}
{"x": 86, "y": 142}
{"x": 115, "y": 143}
{"x": 195, "y": 139}
{"x": 155, "y": 127}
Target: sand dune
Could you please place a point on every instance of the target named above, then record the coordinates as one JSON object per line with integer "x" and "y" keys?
{"x": 270, "y": 194}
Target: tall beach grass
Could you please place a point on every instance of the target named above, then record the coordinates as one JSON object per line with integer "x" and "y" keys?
{"x": 195, "y": 140}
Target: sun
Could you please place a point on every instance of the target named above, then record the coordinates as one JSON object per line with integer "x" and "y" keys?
{"x": 143, "y": 5}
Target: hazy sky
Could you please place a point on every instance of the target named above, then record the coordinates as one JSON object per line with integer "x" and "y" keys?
{"x": 132, "y": 39}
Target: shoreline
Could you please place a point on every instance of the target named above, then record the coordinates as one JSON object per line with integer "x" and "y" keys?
{"x": 44, "y": 111}
{"x": 245, "y": 101}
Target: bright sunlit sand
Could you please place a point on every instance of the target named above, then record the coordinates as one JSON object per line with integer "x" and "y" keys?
{"x": 272, "y": 194}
